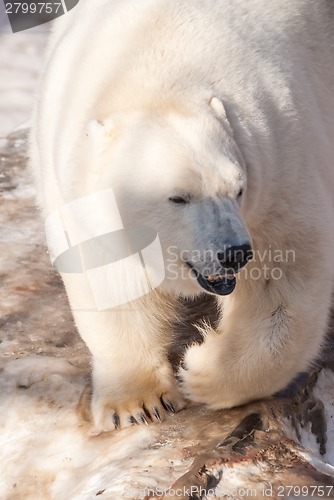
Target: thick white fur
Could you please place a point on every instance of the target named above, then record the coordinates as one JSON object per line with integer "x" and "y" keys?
{"x": 158, "y": 97}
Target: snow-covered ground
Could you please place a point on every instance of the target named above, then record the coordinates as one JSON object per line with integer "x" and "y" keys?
{"x": 46, "y": 450}
{"x": 21, "y": 57}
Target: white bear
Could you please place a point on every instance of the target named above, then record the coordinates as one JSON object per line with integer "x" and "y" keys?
{"x": 211, "y": 123}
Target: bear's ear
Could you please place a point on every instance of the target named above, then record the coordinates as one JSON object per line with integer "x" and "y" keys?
{"x": 100, "y": 134}
{"x": 218, "y": 106}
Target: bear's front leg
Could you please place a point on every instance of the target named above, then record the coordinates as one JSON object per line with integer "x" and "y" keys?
{"x": 133, "y": 382}
{"x": 268, "y": 333}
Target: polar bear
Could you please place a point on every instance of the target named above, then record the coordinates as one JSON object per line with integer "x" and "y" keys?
{"x": 212, "y": 123}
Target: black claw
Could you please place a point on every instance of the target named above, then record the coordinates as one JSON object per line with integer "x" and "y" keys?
{"x": 156, "y": 413}
{"x": 168, "y": 405}
{"x": 116, "y": 420}
{"x": 147, "y": 414}
{"x": 143, "y": 419}
{"x": 133, "y": 421}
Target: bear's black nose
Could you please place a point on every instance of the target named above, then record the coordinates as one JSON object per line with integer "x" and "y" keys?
{"x": 235, "y": 257}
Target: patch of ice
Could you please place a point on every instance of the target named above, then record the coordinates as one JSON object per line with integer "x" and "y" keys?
{"x": 324, "y": 390}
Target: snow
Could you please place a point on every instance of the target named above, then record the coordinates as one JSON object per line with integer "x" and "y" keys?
{"x": 324, "y": 390}
{"x": 21, "y": 56}
{"x": 44, "y": 444}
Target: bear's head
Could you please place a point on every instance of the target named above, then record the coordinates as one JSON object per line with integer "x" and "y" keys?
{"x": 179, "y": 172}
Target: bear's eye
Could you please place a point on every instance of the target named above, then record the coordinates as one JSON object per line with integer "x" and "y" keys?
{"x": 241, "y": 192}
{"x": 178, "y": 200}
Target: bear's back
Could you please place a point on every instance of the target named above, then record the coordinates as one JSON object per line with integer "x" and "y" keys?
{"x": 265, "y": 58}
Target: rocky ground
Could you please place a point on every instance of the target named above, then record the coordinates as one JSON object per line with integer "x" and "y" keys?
{"x": 275, "y": 448}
